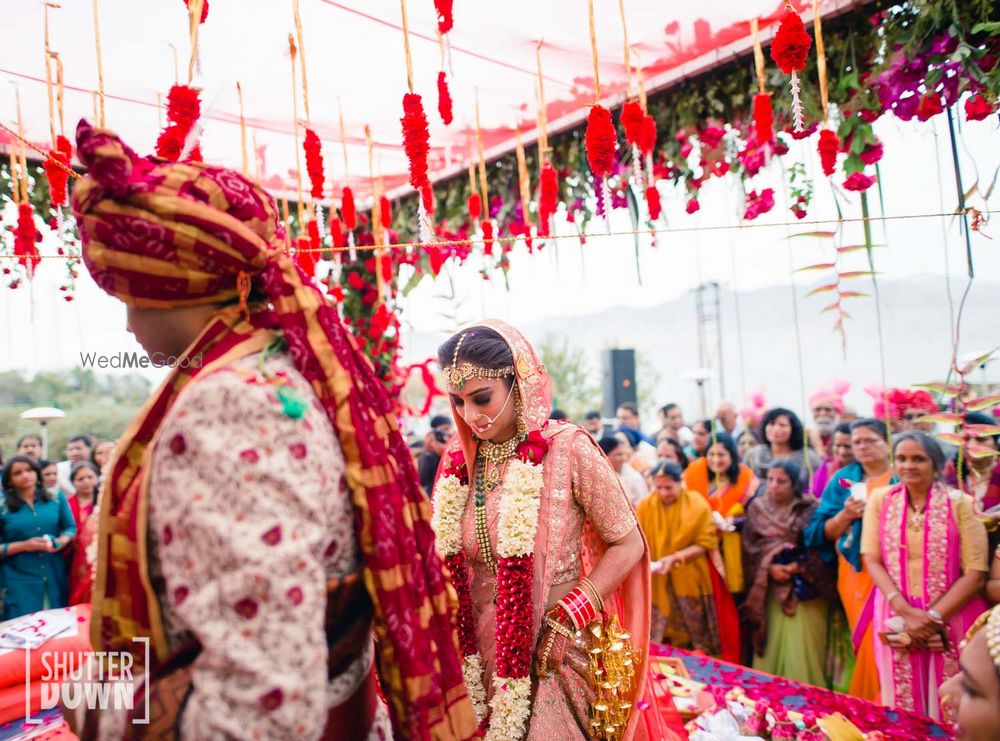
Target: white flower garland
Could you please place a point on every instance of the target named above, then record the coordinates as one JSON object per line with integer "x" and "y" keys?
{"x": 518, "y": 524}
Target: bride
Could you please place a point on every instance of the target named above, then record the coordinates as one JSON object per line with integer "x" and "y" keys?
{"x": 545, "y": 554}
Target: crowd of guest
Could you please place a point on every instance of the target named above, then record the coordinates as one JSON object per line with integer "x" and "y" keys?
{"x": 46, "y": 516}
{"x": 850, "y": 553}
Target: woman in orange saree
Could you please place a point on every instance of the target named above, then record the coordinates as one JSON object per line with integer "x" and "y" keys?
{"x": 540, "y": 539}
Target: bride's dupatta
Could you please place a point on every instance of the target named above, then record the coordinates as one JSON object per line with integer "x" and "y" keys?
{"x": 631, "y": 601}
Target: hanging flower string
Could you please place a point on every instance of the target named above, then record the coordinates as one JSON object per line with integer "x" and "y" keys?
{"x": 789, "y": 50}
{"x": 183, "y": 111}
{"x": 763, "y": 114}
{"x": 57, "y": 170}
{"x": 314, "y": 163}
{"x": 416, "y": 137}
{"x": 601, "y": 139}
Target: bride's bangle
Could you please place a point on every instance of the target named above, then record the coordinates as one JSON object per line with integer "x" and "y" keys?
{"x": 579, "y": 608}
{"x": 592, "y": 592}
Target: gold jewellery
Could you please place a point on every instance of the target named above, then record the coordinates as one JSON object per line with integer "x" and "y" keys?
{"x": 457, "y": 375}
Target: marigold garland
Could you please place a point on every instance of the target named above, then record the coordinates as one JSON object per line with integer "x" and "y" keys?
{"x": 653, "y": 203}
{"x": 828, "y": 147}
{"x": 444, "y": 99}
{"x": 416, "y": 139}
{"x": 55, "y": 166}
{"x": 348, "y": 214}
{"x": 183, "y": 110}
{"x": 601, "y": 141}
{"x": 763, "y": 118}
{"x": 314, "y": 162}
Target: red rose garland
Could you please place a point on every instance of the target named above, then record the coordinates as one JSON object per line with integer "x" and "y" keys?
{"x": 444, "y": 99}
{"x": 314, "y": 163}
{"x": 828, "y": 147}
{"x": 548, "y": 198}
{"x": 416, "y": 139}
{"x": 475, "y": 206}
{"x": 456, "y": 564}
{"x": 337, "y": 233}
{"x": 204, "y": 10}
{"x": 56, "y": 166}
{"x": 183, "y": 110}
{"x": 647, "y": 135}
{"x": 763, "y": 118}
{"x": 347, "y": 211}
{"x": 26, "y": 239}
{"x": 385, "y": 212}
{"x": 631, "y": 118}
{"x": 445, "y": 20}
{"x": 653, "y": 202}
{"x": 789, "y": 50}
{"x": 487, "y": 236}
{"x": 601, "y": 141}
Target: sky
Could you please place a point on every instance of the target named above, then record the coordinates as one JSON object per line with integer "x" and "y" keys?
{"x": 41, "y": 331}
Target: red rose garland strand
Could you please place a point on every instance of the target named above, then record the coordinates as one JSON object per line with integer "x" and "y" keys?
{"x": 385, "y": 212}
{"x": 789, "y": 50}
{"x": 314, "y": 163}
{"x": 348, "y": 214}
{"x": 763, "y": 118}
{"x": 514, "y": 616}
{"x": 204, "y": 9}
{"x": 56, "y": 166}
{"x": 548, "y": 198}
{"x": 183, "y": 110}
{"x": 653, "y": 203}
{"x": 601, "y": 141}
{"x": 444, "y": 100}
{"x": 466, "y": 625}
{"x": 632, "y": 124}
{"x": 26, "y": 239}
{"x": 487, "y": 226}
{"x": 475, "y": 206}
{"x": 828, "y": 147}
{"x": 444, "y": 15}
{"x": 416, "y": 139}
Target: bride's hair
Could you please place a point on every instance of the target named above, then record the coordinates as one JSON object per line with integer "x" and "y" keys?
{"x": 482, "y": 346}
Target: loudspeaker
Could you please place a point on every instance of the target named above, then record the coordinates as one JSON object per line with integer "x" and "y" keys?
{"x": 619, "y": 380}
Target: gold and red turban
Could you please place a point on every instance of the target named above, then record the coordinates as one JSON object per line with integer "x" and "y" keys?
{"x": 166, "y": 235}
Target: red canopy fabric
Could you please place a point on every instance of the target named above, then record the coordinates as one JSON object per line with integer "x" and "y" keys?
{"x": 354, "y": 53}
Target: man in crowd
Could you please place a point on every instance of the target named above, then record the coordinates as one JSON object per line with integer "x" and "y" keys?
{"x": 77, "y": 449}
{"x": 618, "y": 454}
{"x": 31, "y": 446}
{"x": 672, "y": 421}
{"x": 428, "y": 462}
{"x": 729, "y": 420}
{"x": 594, "y": 424}
{"x": 826, "y": 405}
{"x": 630, "y": 424}
{"x": 443, "y": 423}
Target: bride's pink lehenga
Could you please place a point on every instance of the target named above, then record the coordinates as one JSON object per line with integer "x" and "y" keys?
{"x": 583, "y": 507}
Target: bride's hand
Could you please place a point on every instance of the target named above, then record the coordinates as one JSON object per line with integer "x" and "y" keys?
{"x": 554, "y": 638}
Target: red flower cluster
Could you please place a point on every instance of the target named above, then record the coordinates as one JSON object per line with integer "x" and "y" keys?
{"x": 758, "y": 203}
{"x": 183, "y": 110}
{"x": 799, "y": 207}
{"x": 647, "y": 135}
{"x": 347, "y": 211}
{"x": 204, "y": 10}
{"x": 872, "y": 153}
{"x": 631, "y": 118}
{"x": 475, "y": 206}
{"x": 385, "y": 212}
{"x": 977, "y": 108}
{"x": 791, "y": 44}
{"x": 416, "y": 139}
{"x": 445, "y": 20}
{"x": 601, "y": 141}
{"x": 455, "y": 466}
{"x": 930, "y": 105}
{"x": 763, "y": 118}
{"x": 548, "y": 197}
{"x": 692, "y": 205}
{"x": 487, "y": 236}
{"x": 711, "y": 136}
{"x": 26, "y": 238}
{"x": 653, "y": 203}
{"x": 828, "y": 147}
{"x": 858, "y": 181}
{"x": 314, "y": 163}
{"x": 54, "y": 165}
{"x": 514, "y": 616}
{"x": 444, "y": 99}
{"x": 533, "y": 448}
{"x": 465, "y": 622}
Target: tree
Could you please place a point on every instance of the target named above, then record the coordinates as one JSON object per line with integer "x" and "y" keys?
{"x": 574, "y": 387}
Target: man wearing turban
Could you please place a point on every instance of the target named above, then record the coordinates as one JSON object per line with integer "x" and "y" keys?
{"x": 261, "y": 519}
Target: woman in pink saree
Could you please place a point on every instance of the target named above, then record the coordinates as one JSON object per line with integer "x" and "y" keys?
{"x": 541, "y": 542}
{"x": 927, "y": 554}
